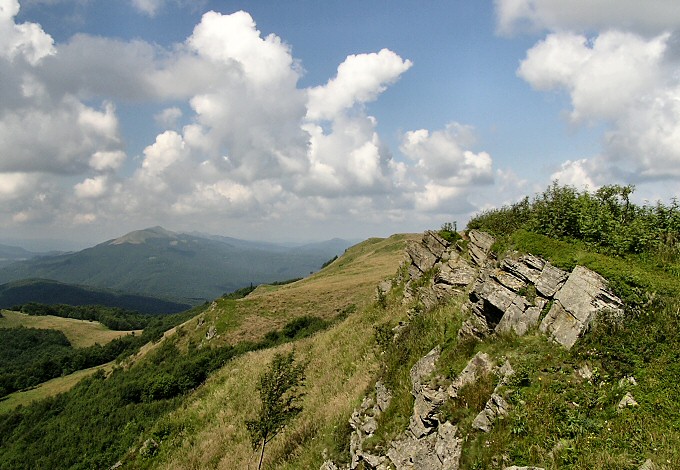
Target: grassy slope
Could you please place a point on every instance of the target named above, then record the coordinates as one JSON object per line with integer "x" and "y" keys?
{"x": 558, "y": 420}
{"x": 208, "y": 431}
{"x": 48, "y": 389}
{"x": 80, "y": 333}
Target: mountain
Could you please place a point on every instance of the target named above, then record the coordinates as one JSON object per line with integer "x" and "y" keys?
{"x": 11, "y": 254}
{"x": 512, "y": 345}
{"x": 52, "y": 292}
{"x": 178, "y": 266}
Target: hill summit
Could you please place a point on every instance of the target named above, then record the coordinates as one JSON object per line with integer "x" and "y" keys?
{"x": 141, "y": 236}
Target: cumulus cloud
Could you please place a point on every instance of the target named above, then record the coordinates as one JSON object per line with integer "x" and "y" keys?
{"x": 624, "y": 80}
{"x": 625, "y": 77}
{"x": 360, "y": 79}
{"x": 604, "y": 76}
{"x": 26, "y": 40}
{"x": 91, "y": 187}
{"x": 239, "y": 139}
{"x": 649, "y": 16}
{"x": 169, "y": 117}
{"x": 149, "y": 7}
{"x": 443, "y": 156}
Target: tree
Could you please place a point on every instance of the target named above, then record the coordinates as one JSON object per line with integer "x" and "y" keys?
{"x": 280, "y": 397}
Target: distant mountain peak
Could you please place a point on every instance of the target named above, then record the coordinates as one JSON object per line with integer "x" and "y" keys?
{"x": 141, "y": 236}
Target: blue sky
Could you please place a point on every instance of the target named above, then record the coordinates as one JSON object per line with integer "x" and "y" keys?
{"x": 308, "y": 120}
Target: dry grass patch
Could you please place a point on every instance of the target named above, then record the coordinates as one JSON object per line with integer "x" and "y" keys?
{"x": 80, "y": 333}
{"x": 209, "y": 431}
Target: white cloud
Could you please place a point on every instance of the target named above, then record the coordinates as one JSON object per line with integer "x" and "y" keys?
{"x": 169, "y": 117}
{"x": 57, "y": 137}
{"x": 149, "y": 7}
{"x": 91, "y": 187}
{"x": 604, "y": 76}
{"x": 577, "y": 173}
{"x": 14, "y": 185}
{"x": 26, "y": 39}
{"x": 648, "y": 16}
{"x": 103, "y": 160}
{"x": 360, "y": 79}
{"x": 443, "y": 157}
{"x": 626, "y": 81}
{"x": 254, "y": 148}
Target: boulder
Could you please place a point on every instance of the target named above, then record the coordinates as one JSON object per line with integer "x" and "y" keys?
{"x": 424, "y": 419}
{"x": 521, "y": 321}
{"x": 496, "y": 407}
{"x": 422, "y": 259}
{"x": 455, "y": 272}
{"x": 438, "y": 451}
{"x": 435, "y": 243}
{"x": 476, "y": 367}
{"x": 493, "y": 301}
{"x": 423, "y": 369}
{"x": 544, "y": 276}
{"x": 577, "y": 303}
{"x": 550, "y": 280}
{"x": 627, "y": 400}
{"x": 479, "y": 246}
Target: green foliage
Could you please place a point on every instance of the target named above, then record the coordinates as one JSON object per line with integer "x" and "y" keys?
{"x": 295, "y": 329}
{"x": 328, "y": 263}
{"x": 240, "y": 293}
{"x": 112, "y": 317}
{"x": 605, "y": 220}
{"x": 280, "y": 396}
{"x": 449, "y": 232}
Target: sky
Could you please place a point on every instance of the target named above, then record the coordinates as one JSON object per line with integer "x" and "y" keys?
{"x": 307, "y": 120}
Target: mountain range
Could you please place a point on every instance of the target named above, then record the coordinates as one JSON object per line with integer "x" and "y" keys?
{"x": 183, "y": 267}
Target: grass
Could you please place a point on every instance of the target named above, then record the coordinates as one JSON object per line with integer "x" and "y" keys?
{"x": 557, "y": 418}
{"x": 80, "y": 333}
{"x": 208, "y": 430}
{"x": 48, "y": 389}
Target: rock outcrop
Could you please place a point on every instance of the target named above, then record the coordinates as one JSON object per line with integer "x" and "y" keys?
{"x": 506, "y": 296}
{"x": 576, "y": 305}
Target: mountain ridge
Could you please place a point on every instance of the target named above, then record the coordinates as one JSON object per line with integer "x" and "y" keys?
{"x": 182, "y": 267}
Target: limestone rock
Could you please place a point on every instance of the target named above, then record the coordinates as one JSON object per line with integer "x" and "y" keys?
{"x": 544, "y": 276}
{"x": 509, "y": 280}
{"x": 382, "y": 396}
{"x": 328, "y": 465}
{"x": 435, "y": 243}
{"x": 627, "y": 400}
{"x": 426, "y": 253}
{"x": 648, "y": 465}
{"x": 584, "y": 372}
{"x": 455, "y": 272}
{"x": 423, "y": 369}
{"x": 550, "y": 280}
{"x": 424, "y": 418}
{"x": 438, "y": 451}
{"x": 494, "y": 409}
{"x": 479, "y": 246}
{"x": 211, "y": 333}
{"x": 628, "y": 381}
{"x": 493, "y": 301}
{"x": 479, "y": 365}
{"x": 421, "y": 258}
{"x": 577, "y": 303}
